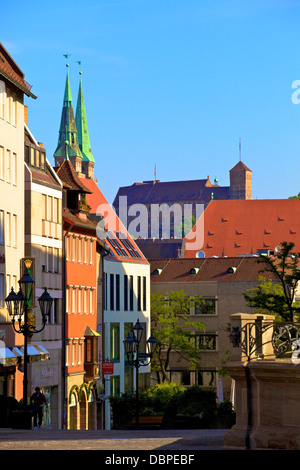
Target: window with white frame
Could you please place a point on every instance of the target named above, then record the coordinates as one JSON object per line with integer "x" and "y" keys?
{"x": 8, "y": 229}
{"x": 2, "y": 163}
{"x": 14, "y": 169}
{"x": 8, "y": 166}
{"x": 2, "y": 99}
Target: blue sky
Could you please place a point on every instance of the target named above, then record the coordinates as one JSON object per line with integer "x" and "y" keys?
{"x": 171, "y": 83}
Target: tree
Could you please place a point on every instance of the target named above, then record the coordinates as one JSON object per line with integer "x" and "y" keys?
{"x": 173, "y": 330}
{"x": 278, "y": 297}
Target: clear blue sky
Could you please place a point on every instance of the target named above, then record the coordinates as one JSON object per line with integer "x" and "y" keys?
{"x": 171, "y": 83}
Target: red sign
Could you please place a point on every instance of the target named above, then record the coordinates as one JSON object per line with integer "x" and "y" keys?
{"x": 107, "y": 368}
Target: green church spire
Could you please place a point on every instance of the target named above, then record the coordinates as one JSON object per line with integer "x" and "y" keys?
{"x": 67, "y": 141}
{"x": 82, "y": 128}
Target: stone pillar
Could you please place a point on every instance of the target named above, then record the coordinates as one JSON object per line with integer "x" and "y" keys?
{"x": 267, "y": 397}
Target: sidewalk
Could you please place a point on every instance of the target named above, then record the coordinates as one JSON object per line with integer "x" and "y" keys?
{"x": 158, "y": 440}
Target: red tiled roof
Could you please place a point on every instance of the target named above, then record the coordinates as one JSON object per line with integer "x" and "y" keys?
{"x": 69, "y": 177}
{"x": 209, "y": 269}
{"x": 10, "y": 70}
{"x": 121, "y": 249}
{"x": 238, "y": 227}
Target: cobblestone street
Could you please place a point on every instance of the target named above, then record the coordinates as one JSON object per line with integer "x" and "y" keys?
{"x": 164, "y": 440}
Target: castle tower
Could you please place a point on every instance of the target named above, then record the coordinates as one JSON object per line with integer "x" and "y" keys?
{"x": 88, "y": 160}
{"x": 68, "y": 147}
{"x": 240, "y": 182}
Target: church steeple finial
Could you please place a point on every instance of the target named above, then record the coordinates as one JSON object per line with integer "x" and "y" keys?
{"x": 82, "y": 126}
{"x": 67, "y": 147}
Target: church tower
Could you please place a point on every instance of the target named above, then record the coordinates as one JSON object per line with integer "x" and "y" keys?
{"x": 240, "y": 182}
{"x": 88, "y": 161}
{"x": 68, "y": 147}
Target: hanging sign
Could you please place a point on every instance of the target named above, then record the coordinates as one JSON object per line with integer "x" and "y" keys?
{"x": 107, "y": 368}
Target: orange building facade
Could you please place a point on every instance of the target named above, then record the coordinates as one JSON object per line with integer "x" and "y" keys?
{"x": 80, "y": 337}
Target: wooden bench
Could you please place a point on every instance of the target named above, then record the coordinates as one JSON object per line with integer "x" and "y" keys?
{"x": 148, "y": 421}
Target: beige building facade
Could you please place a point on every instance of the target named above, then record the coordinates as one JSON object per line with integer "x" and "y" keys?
{"x": 43, "y": 245}
{"x": 221, "y": 282}
{"x": 13, "y": 89}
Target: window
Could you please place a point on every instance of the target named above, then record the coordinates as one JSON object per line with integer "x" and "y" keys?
{"x": 112, "y": 292}
{"x": 8, "y": 229}
{"x": 105, "y": 291}
{"x": 117, "y": 291}
{"x": 68, "y": 300}
{"x": 125, "y": 292}
{"x": 131, "y": 293}
{"x": 74, "y": 300}
{"x": 88, "y": 350}
{"x": 206, "y": 307}
{"x": 14, "y": 169}
{"x": 181, "y": 377}
{"x": 206, "y": 341}
{"x": 207, "y": 378}
{"x": 80, "y": 353}
{"x": 144, "y": 293}
{"x": 2, "y": 99}
{"x": 73, "y": 353}
{"x": 8, "y": 166}
{"x": 80, "y": 300}
{"x": 55, "y": 260}
{"x": 2, "y": 294}
{"x": 1, "y": 227}
{"x": 139, "y": 293}
{"x": 91, "y": 301}
{"x": 2, "y": 162}
{"x": 115, "y": 342}
{"x": 79, "y": 249}
{"x": 14, "y": 231}
{"x": 73, "y": 248}
{"x": 92, "y": 248}
{"x": 86, "y": 247}
{"x": 68, "y": 248}
{"x": 115, "y": 385}
{"x": 49, "y": 259}
{"x": 68, "y": 354}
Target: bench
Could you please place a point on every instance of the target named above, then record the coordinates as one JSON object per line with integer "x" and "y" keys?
{"x": 148, "y": 421}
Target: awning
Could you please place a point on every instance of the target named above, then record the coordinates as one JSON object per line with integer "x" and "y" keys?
{"x": 14, "y": 355}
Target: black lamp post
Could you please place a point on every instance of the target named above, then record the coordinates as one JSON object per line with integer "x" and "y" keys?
{"x": 137, "y": 359}
{"x": 17, "y": 305}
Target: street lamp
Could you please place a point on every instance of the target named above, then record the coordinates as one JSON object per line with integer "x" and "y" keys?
{"x": 17, "y": 306}
{"x": 137, "y": 359}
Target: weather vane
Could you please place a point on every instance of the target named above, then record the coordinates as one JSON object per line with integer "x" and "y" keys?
{"x": 67, "y": 56}
{"x": 79, "y": 63}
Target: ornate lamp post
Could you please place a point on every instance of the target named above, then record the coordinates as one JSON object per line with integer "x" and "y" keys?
{"x": 137, "y": 359}
{"x": 17, "y": 305}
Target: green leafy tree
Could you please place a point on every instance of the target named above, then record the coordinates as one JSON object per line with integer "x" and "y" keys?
{"x": 277, "y": 296}
{"x": 173, "y": 330}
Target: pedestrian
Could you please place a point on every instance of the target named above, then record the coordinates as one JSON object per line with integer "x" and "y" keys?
{"x": 38, "y": 400}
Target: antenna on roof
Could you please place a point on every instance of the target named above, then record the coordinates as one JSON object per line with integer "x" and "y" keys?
{"x": 240, "y": 150}
{"x": 155, "y": 172}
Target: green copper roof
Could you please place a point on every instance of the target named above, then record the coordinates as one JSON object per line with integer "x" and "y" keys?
{"x": 82, "y": 128}
{"x": 67, "y": 140}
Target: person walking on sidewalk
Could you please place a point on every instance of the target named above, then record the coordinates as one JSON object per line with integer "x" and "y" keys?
{"x": 38, "y": 400}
